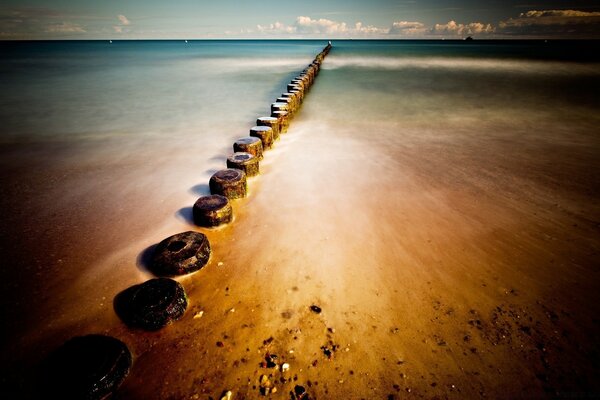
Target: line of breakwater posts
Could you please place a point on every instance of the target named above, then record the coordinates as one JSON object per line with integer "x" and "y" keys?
{"x": 93, "y": 366}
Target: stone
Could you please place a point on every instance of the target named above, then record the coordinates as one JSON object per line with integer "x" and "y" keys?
{"x": 86, "y": 367}
{"x": 152, "y": 304}
{"x": 181, "y": 254}
{"x": 250, "y": 144}
{"x": 244, "y": 161}
{"x": 212, "y": 210}
{"x": 230, "y": 183}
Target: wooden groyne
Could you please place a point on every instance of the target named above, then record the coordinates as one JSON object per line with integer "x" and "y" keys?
{"x": 94, "y": 366}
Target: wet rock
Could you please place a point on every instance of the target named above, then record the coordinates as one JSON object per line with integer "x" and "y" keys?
{"x": 250, "y": 144}
{"x": 86, "y": 367}
{"x": 245, "y": 162}
{"x": 230, "y": 183}
{"x": 329, "y": 349}
{"x": 152, "y": 304}
{"x": 262, "y": 131}
{"x": 212, "y": 210}
{"x": 299, "y": 393}
{"x": 265, "y": 385}
{"x": 316, "y": 309}
{"x": 227, "y": 395}
{"x": 181, "y": 254}
{"x": 283, "y": 117}
{"x": 285, "y": 367}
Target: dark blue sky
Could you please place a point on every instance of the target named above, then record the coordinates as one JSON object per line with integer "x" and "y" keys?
{"x": 87, "y": 19}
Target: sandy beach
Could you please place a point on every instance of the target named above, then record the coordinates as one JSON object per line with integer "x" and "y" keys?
{"x": 444, "y": 266}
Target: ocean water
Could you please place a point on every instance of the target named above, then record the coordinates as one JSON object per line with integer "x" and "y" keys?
{"x": 74, "y": 89}
{"x": 105, "y": 146}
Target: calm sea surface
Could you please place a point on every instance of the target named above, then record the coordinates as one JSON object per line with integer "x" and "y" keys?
{"x": 51, "y": 90}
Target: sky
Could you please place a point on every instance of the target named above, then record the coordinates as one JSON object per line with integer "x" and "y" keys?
{"x": 296, "y": 19}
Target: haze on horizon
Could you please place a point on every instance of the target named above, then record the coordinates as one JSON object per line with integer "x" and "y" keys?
{"x": 228, "y": 19}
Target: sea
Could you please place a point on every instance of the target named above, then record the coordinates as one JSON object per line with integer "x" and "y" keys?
{"x": 89, "y": 89}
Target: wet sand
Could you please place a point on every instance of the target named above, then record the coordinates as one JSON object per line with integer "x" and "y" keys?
{"x": 458, "y": 266}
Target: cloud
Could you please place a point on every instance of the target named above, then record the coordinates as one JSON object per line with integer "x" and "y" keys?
{"x": 322, "y": 26}
{"x": 563, "y": 23}
{"x": 64, "y": 27}
{"x": 407, "y": 28}
{"x": 452, "y": 28}
{"x": 123, "y": 23}
{"x": 123, "y": 19}
{"x": 277, "y": 27}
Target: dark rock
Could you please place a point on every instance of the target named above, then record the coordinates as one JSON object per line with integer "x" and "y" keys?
{"x": 152, "y": 304}
{"x": 86, "y": 367}
{"x": 245, "y": 162}
{"x": 181, "y": 254}
{"x": 250, "y": 144}
{"x": 229, "y": 182}
{"x": 212, "y": 210}
{"x": 315, "y": 309}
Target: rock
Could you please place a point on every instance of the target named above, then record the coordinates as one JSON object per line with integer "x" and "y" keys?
{"x": 271, "y": 360}
{"x": 152, "y": 304}
{"x": 316, "y": 309}
{"x": 266, "y": 136}
{"x": 283, "y": 118}
{"x": 181, "y": 254}
{"x": 227, "y": 395}
{"x": 230, "y": 183}
{"x": 300, "y": 392}
{"x": 86, "y": 367}
{"x": 250, "y": 144}
{"x": 285, "y": 367}
{"x": 245, "y": 162}
{"x": 212, "y": 210}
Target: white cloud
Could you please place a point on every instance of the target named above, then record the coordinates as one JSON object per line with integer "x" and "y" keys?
{"x": 407, "y": 28}
{"x": 451, "y": 28}
{"x": 277, "y": 27}
{"x": 64, "y": 27}
{"x": 322, "y": 26}
{"x": 123, "y": 19}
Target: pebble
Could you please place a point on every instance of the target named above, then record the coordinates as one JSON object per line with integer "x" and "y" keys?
{"x": 285, "y": 367}
{"x": 199, "y": 314}
{"x": 316, "y": 309}
{"x": 227, "y": 395}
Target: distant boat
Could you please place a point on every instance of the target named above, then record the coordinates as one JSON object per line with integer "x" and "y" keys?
{"x": 110, "y": 41}
{"x": 186, "y": 41}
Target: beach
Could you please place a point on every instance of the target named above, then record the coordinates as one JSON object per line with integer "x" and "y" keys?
{"x": 440, "y": 210}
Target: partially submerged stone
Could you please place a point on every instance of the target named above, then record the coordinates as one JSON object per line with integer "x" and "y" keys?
{"x": 270, "y": 122}
{"x": 283, "y": 117}
{"x": 212, "y": 210}
{"x": 152, "y": 304}
{"x": 245, "y": 162}
{"x": 230, "y": 183}
{"x": 279, "y": 106}
{"x": 250, "y": 144}
{"x": 265, "y": 131}
{"x": 181, "y": 254}
{"x": 86, "y": 367}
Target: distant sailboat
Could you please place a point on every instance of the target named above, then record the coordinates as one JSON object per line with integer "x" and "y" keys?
{"x": 186, "y": 41}
{"x": 110, "y": 41}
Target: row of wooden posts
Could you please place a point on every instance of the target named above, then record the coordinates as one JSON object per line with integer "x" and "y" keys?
{"x": 93, "y": 366}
